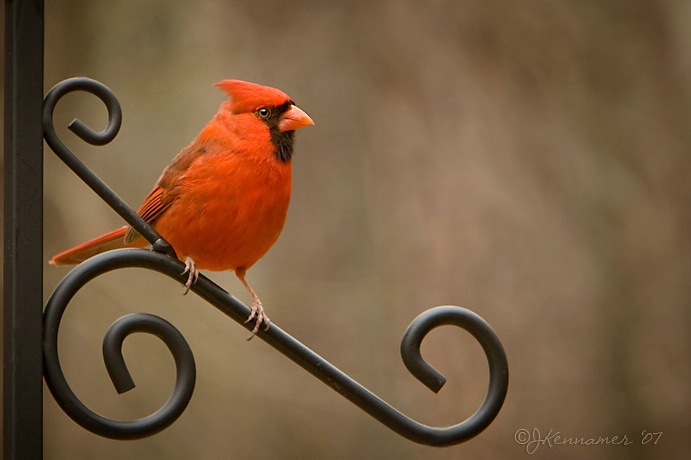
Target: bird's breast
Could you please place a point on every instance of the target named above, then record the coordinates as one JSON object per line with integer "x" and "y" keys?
{"x": 228, "y": 211}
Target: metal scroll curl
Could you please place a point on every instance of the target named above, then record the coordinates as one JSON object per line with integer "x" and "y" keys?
{"x": 162, "y": 259}
{"x": 112, "y": 354}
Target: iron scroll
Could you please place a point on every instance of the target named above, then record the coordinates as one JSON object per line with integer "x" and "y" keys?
{"x": 162, "y": 259}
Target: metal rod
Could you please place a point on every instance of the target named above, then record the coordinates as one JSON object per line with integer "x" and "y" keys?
{"x": 278, "y": 339}
{"x": 23, "y": 231}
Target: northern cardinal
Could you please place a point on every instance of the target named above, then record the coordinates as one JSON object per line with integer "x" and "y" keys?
{"x": 222, "y": 202}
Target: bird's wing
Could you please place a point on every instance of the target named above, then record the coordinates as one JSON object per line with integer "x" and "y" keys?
{"x": 166, "y": 189}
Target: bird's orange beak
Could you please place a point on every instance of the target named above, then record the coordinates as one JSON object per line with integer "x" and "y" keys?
{"x": 294, "y": 118}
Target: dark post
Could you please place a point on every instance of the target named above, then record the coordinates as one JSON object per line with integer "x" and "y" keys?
{"x": 23, "y": 239}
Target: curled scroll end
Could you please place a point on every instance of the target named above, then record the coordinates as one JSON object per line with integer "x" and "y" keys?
{"x": 93, "y": 137}
{"x": 113, "y": 358}
{"x": 460, "y": 317}
{"x": 122, "y": 386}
{"x": 416, "y": 365}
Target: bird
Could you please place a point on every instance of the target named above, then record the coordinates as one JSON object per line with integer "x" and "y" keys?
{"x": 222, "y": 201}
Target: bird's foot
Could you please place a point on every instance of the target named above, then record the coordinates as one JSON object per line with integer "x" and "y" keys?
{"x": 258, "y": 313}
{"x": 191, "y": 268}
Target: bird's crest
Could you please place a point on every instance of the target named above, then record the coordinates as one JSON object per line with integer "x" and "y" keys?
{"x": 248, "y": 97}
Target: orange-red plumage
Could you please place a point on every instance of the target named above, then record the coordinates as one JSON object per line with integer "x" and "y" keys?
{"x": 222, "y": 202}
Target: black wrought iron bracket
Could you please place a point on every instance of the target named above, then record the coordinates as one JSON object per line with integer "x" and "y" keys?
{"x": 162, "y": 259}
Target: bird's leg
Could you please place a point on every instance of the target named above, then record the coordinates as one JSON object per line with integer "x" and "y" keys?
{"x": 257, "y": 308}
{"x": 191, "y": 268}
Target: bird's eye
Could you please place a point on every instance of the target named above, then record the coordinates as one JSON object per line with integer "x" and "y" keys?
{"x": 264, "y": 112}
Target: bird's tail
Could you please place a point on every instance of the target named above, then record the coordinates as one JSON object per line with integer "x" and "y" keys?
{"x": 111, "y": 240}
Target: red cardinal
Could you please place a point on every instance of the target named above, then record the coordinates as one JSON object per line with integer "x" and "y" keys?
{"x": 222, "y": 202}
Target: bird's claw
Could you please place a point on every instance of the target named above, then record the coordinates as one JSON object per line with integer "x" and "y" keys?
{"x": 191, "y": 268}
{"x": 260, "y": 315}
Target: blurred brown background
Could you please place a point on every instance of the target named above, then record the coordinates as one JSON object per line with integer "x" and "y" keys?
{"x": 528, "y": 160}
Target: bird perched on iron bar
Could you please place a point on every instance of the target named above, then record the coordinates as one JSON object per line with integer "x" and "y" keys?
{"x": 222, "y": 202}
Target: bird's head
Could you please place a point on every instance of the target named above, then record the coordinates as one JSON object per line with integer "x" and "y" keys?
{"x": 270, "y": 106}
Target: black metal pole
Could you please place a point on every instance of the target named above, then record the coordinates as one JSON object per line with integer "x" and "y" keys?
{"x": 23, "y": 231}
